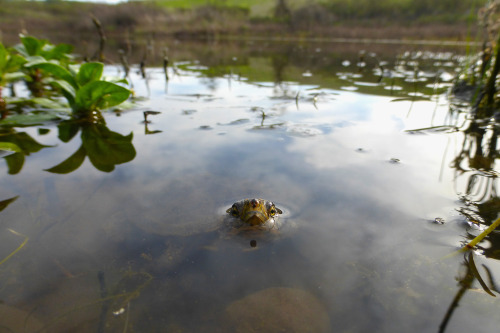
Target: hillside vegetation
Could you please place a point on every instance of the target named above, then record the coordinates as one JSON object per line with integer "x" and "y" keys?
{"x": 427, "y": 19}
{"x": 397, "y": 10}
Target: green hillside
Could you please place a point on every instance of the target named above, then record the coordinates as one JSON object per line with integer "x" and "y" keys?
{"x": 382, "y": 19}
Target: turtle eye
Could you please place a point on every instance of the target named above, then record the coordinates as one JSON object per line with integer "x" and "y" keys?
{"x": 272, "y": 211}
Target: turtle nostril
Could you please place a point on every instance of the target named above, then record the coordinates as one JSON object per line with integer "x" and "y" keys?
{"x": 254, "y": 203}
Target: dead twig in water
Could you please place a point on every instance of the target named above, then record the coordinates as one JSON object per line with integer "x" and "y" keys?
{"x": 102, "y": 38}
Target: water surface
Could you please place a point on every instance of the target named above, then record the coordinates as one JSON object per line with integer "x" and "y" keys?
{"x": 138, "y": 246}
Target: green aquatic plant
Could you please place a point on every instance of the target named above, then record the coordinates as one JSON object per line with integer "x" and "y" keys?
{"x": 83, "y": 86}
{"x": 26, "y": 238}
{"x": 481, "y": 236}
{"x": 32, "y": 49}
{"x": 49, "y": 73}
{"x": 477, "y": 82}
{"x": 10, "y": 65}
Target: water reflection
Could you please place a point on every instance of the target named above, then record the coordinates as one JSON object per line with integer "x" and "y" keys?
{"x": 6, "y": 202}
{"x": 25, "y": 144}
{"x": 475, "y": 180}
{"x": 104, "y": 148}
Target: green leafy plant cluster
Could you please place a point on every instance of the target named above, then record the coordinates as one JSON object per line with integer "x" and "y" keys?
{"x": 51, "y": 76}
{"x": 55, "y": 82}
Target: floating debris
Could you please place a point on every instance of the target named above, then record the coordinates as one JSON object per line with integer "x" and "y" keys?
{"x": 439, "y": 220}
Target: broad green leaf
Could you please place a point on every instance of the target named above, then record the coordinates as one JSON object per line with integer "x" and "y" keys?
{"x": 66, "y": 89}
{"x": 73, "y": 69}
{"x": 57, "y": 52}
{"x": 11, "y": 77}
{"x": 57, "y": 71}
{"x": 4, "y": 57}
{"x": 9, "y": 146}
{"x": 49, "y": 103}
{"x": 15, "y": 62}
{"x": 105, "y": 148}
{"x": 98, "y": 95}
{"x": 6, "y": 202}
{"x": 67, "y": 130}
{"x": 34, "y": 60}
{"x": 71, "y": 163}
{"x": 15, "y": 163}
{"x": 91, "y": 71}
{"x": 32, "y": 45}
{"x": 29, "y": 119}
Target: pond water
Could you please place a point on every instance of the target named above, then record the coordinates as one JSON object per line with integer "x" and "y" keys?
{"x": 131, "y": 239}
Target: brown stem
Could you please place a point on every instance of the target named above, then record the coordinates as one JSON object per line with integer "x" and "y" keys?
{"x": 102, "y": 37}
{"x": 3, "y": 105}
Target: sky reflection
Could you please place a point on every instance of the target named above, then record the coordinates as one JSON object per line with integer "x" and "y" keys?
{"x": 359, "y": 190}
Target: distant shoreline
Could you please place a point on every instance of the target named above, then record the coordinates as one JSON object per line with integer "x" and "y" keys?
{"x": 146, "y": 20}
{"x": 429, "y": 42}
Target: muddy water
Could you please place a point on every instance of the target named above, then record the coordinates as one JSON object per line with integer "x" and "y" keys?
{"x": 141, "y": 249}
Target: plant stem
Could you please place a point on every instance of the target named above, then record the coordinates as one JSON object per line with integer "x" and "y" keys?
{"x": 3, "y": 105}
{"x": 480, "y": 237}
{"x": 490, "y": 85}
